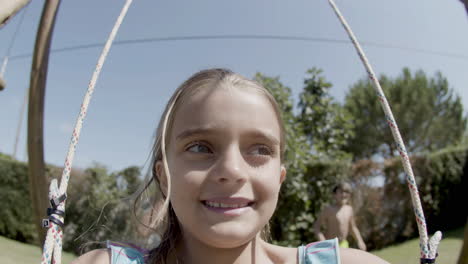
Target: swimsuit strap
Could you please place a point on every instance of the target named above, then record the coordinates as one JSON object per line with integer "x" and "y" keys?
{"x": 126, "y": 253}
{"x": 322, "y": 252}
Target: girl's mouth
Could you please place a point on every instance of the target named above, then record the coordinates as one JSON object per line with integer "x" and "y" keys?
{"x": 230, "y": 208}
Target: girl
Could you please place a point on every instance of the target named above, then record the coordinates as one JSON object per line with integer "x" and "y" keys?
{"x": 218, "y": 162}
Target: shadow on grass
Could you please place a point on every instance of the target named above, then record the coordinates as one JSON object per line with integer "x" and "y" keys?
{"x": 455, "y": 233}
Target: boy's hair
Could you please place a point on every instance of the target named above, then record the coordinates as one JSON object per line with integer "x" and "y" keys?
{"x": 165, "y": 221}
{"x": 344, "y": 186}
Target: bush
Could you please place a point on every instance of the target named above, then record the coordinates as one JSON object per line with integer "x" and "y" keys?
{"x": 95, "y": 208}
{"x": 16, "y": 217}
{"x": 99, "y": 208}
{"x": 385, "y": 215}
{"x": 443, "y": 181}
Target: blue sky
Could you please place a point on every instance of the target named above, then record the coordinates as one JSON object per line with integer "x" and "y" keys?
{"x": 137, "y": 79}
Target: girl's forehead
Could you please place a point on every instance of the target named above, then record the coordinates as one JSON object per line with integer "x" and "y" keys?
{"x": 219, "y": 89}
{"x": 217, "y": 96}
{"x": 226, "y": 106}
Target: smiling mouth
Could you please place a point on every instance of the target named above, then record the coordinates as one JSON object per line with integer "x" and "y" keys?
{"x": 227, "y": 206}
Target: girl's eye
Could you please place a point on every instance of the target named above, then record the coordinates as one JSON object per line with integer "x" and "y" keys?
{"x": 199, "y": 148}
{"x": 261, "y": 150}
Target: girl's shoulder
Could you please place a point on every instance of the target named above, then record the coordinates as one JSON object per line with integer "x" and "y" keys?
{"x": 356, "y": 256}
{"x": 116, "y": 253}
{"x": 97, "y": 256}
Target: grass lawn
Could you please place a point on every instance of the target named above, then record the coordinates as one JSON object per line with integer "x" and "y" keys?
{"x": 408, "y": 252}
{"x": 14, "y": 252}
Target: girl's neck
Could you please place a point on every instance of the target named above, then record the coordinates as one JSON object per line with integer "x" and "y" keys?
{"x": 193, "y": 251}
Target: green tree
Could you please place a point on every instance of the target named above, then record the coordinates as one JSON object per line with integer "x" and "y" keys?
{"x": 465, "y": 137}
{"x": 429, "y": 115}
{"x": 99, "y": 207}
{"x": 128, "y": 179}
{"x": 15, "y": 219}
{"x": 327, "y": 125}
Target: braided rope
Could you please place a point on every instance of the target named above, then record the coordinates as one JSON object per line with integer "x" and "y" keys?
{"x": 428, "y": 248}
{"x": 53, "y": 242}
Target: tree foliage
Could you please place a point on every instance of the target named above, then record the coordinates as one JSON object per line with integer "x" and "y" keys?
{"x": 16, "y": 217}
{"x": 99, "y": 207}
{"x": 326, "y": 124}
{"x": 429, "y": 115}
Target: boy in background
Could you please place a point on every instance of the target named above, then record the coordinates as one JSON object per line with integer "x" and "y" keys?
{"x": 338, "y": 219}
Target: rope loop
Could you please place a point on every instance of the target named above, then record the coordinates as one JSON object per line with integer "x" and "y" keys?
{"x": 55, "y": 213}
{"x": 54, "y": 202}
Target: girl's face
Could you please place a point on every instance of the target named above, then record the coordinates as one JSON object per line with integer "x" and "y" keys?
{"x": 224, "y": 161}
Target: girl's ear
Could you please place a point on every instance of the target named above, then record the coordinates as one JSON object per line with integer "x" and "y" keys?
{"x": 159, "y": 168}
{"x": 283, "y": 174}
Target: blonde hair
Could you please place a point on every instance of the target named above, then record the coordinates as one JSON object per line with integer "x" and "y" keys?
{"x": 165, "y": 220}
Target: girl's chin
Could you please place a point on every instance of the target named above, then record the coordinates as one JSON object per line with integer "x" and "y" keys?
{"x": 228, "y": 241}
{"x": 234, "y": 229}
{"x": 229, "y": 234}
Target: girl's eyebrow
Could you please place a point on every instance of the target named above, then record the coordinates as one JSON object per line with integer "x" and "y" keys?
{"x": 191, "y": 132}
{"x": 259, "y": 134}
{"x": 255, "y": 133}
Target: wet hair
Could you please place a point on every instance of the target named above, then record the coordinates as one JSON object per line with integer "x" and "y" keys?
{"x": 165, "y": 220}
{"x": 344, "y": 186}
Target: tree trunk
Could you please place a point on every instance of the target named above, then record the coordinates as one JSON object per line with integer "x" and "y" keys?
{"x": 38, "y": 182}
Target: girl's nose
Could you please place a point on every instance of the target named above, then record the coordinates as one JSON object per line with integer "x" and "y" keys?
{"x": 230, "y": 167}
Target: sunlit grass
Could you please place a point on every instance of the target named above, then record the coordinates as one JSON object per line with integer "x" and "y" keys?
{"x": 14, "y": 252}
{"x": 408, "y": 252}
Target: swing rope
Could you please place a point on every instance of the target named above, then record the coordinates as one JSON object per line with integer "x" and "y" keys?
{"x": 57, "y": 196}
{"x": 428, "y": 248}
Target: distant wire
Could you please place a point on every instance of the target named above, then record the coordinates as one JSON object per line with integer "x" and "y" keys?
{"x": 251, "y": 37}
{"x": 13, "y": 38}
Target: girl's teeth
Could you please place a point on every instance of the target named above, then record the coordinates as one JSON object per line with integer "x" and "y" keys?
{"x": 221, "y": 205}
